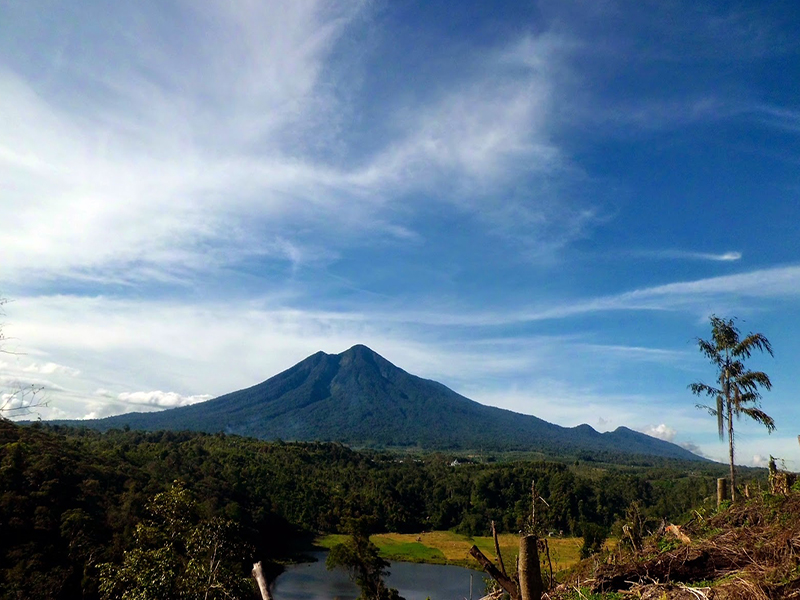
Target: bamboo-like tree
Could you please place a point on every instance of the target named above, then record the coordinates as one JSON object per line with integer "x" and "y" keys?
{"x": 739, "y": 391}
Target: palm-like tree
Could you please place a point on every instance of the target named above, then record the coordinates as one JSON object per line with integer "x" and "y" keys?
{"x": 739, "y": 388}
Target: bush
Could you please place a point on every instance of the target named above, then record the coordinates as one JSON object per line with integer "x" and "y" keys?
{"x": 594, "y": 536}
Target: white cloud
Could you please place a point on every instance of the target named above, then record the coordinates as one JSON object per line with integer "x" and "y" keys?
{"x": 479, "y": 132}
{"x": 760, "y": 461}
{"x": 693, "y": 448}
{"x": 764, "y": 283}
{"x": 726, "y": 257}
{"x": 140, "y": 175}
{"x": 49, "y": 368}
{"x": 662, "y": 432}
{"x": 217, "y": 347}
{"x": 196, "y": 351}
{"x": 159, "y": 398}
{"x": 689, "y": 255}
{"x": 174, "y": 165}
{"x": 104, "y": 403}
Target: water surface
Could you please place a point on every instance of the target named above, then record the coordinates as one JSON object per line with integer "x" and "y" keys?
{"x": 414, "y": 581}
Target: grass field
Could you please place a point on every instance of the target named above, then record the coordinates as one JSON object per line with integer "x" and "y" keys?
{"x": 445, "y": 547}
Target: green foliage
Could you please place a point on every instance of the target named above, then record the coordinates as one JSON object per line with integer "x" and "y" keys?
{"x": 178, "y": 555}
{"x": 632, "y": 529}
{"x": 667, "y": 544}
{"x": 739, "y": 391}
{"x": 72, "y": 499}
{"x": 412, "y": 552}
{"x": 594, "y": 536}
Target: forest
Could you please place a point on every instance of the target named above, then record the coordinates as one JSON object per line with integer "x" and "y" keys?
{"x": 75, "y": 500}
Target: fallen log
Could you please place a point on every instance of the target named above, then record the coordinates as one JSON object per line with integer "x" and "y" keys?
{"x": 504, "y": 581}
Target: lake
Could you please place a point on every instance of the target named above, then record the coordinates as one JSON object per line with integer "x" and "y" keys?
{"x": 414, "y": 581}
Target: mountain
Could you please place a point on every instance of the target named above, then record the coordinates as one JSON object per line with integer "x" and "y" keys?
{"x": 360, "y": 398}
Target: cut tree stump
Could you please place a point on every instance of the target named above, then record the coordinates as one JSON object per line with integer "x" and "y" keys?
{"x": 530, "y": 573}
{"x": 258, "y": 574}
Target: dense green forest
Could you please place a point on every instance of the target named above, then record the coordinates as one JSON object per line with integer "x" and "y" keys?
{"x": 72, "y": 499}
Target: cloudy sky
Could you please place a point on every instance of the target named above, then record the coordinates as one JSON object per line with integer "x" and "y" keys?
{"x": 538, "y": 204}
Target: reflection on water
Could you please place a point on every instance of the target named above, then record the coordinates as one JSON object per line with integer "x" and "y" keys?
{"x": 312, "y": 581}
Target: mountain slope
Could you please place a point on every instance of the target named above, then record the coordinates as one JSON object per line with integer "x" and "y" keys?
{"x": 358, "y": 397}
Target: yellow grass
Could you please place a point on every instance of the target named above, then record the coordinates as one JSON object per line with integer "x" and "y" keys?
{"x": 452, "y": 548}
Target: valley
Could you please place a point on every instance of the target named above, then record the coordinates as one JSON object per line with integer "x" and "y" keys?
{"x": 74, "y": 500}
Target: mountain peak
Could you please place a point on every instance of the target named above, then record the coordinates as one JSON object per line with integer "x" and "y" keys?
{"x": 360, "y": 350}
{"x": 358, "y": 397}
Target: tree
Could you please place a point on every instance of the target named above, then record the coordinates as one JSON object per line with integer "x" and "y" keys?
{"x": 739, "y": 388}
{"x": 359, "y": 556}
{"x": 594, "y": 536}
{"x": 178, "y": 554}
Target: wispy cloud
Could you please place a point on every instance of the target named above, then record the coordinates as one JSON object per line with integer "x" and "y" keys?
{"x": 689, "y": 255}
{"x": 105, "y": 322}
{"x": 764, "y": 283}
{"x": 258, "y": 149}
{"x": 778, "y": 282}
{"x": 176, "y": 165}
{"x": 49, "y": 368}
{"x": 781, "y": 117}
{"x": 123, "y": 345}
{"x": 139, "y": 173}
{"x": 775, "y": 283}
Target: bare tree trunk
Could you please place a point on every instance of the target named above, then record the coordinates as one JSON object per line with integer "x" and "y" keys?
{"x": 497, "y": 550}
{"x": 530, "y": 574}
{"x": 730, "y": 448}
{"x": 258, "y": 573}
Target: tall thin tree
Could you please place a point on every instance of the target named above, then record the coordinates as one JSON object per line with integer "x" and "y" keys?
{"x": 739, "y": 391}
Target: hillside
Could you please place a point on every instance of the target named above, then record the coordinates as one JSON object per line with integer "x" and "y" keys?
{"x": 748, "y": 550}
{"x": 359, "y": 398}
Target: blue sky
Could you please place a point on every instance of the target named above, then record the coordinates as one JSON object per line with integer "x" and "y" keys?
{"x": 538, "y": 204}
